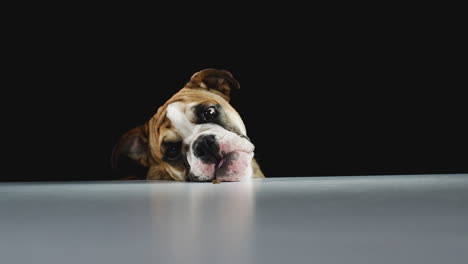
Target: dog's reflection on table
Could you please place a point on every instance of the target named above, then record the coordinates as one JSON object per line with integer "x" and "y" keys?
{"x": 203, "y": 226}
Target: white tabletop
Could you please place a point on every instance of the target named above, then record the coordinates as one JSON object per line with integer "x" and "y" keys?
{"x": 369, "y": 219}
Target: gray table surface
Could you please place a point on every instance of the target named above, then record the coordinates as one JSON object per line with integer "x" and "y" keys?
{"x": 369, "y": 219}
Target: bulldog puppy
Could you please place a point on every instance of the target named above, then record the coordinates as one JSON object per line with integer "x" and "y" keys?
{"x": 195, "y": 136}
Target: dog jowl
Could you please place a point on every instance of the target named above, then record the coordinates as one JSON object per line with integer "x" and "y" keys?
{"x": 195, "y": 136}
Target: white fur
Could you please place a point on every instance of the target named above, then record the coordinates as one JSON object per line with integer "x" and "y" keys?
{"x": 176, "y": 113}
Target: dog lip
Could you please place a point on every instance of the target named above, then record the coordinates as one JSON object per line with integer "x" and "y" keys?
{"x": 222, "y": 159}
{"x": 220, "y": 163}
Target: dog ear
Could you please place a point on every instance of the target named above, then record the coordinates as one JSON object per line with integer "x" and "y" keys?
{"x": 218, "y": 81}
{"x": 134, "y": 145}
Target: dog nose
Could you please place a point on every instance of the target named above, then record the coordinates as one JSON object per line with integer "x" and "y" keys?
{"x": 206, "y": 148}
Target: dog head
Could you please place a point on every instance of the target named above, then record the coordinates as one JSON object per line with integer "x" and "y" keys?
{"x": 195, "y": 136}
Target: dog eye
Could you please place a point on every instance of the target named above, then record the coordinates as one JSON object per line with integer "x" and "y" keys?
{"x": 210, "y": 113}
{"x": 172, "y": 151}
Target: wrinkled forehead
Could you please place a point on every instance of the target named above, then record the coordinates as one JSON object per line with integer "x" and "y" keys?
{"x": 183, "y": 119}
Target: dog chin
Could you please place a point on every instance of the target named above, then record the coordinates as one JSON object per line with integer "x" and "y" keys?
{"x": 233, "y": 167}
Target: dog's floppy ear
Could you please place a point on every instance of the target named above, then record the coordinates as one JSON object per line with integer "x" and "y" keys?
{"x": 218, "y": 81}
{"x": 134, "y": 145}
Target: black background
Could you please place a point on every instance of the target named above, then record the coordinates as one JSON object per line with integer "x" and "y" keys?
{"x": 334, "y": 101}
